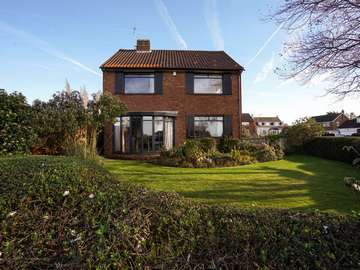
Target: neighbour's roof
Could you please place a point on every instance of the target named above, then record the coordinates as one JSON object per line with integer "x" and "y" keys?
{"x": 329, "y": 117}
{"x": 350, "y": 124}
{"x": 246, "y": 117}
{"x": 171, "y": 59}
{"x": 267, "y": 119}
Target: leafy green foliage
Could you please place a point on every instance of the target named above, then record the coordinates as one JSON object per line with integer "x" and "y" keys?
{"x": 333, "y": 148}
{"x": 16, "y": 132}
{"x": 72, "y": 214}
{"x": 303, "y": 131}
{"x": 69, "y": 123}
{"x": 58, "y": 122}
{"x": 203, "y": 153}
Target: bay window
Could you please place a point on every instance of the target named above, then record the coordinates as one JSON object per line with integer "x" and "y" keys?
{"x": 143, "y": 133}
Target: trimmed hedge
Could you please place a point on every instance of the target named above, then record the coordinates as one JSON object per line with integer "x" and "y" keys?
{"x": 332, "y": 148}
{"x": 65, "y": 213}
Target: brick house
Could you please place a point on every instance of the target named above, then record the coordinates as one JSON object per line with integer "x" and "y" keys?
{"x": 171, "y": 95}
{"x": 269, "y": 125}
{"x": 331, "y": 121}
{"x": 248, "y": 123}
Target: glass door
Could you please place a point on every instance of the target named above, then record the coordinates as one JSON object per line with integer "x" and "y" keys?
{"x": 136, "y": 134}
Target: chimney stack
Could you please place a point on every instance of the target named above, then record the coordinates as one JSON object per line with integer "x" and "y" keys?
{"x": 143, "y": 45}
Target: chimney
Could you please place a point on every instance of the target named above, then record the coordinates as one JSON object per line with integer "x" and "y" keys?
{"x": 143, "y": 45}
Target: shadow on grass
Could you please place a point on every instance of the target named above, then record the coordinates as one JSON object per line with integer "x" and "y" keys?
{"x": 299, "y": 183}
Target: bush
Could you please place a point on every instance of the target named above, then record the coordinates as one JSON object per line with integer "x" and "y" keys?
{"x": 16, "y": 132}
{"x": 227, "y": 144}
{"x": 192, "y": 154}
{"x": 303, "y": 131}
{"x": 333, "y": 148}
{"x": 207, "y": 144}
{"x": 266, "y": 152}
{"x": 64, "y": 213}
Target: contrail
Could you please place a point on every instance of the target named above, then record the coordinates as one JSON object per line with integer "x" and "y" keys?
{"x": 212, "y": 20}
{"x": 43, "y": 46}
{"x": 166, "y": 17}
{"x": 265, "y": 44}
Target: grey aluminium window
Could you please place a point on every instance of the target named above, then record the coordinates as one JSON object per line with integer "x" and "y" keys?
{"x": 208, "y": 126}
{"x": 139, "y": 83}
{"x": 208, "y": 84}
{"x": 143, "y": 134}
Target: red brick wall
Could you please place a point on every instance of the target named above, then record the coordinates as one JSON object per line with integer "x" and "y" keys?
{"x": 175, "y": 98}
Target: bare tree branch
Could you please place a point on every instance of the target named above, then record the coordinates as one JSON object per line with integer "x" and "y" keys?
{"x": 325, "y": 39}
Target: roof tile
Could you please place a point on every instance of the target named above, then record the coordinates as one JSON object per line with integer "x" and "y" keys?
{"x": 172, "y": 59}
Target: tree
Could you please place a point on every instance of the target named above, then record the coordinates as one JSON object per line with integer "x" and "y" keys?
{"x": 302, "y": 131}
{"x": 59, "y": 122}
{"x": 102, "y": 109}
{"x": 70, "y": 122}
{"x": 16, "y": 132}
{"x": 326, "y": 42}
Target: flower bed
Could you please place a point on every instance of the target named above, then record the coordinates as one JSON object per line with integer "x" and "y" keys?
{"x": 206, "y": 152}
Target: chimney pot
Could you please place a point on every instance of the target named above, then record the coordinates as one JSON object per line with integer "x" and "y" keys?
{"x": 143, "y": 45}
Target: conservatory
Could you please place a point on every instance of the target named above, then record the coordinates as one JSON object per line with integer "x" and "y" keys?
{"x": 144, "y": 132}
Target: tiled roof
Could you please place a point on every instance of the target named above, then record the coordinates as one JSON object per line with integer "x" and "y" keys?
{"x": 172, "y": 59}
{"x": 326, "y": 117}
{"x": 267, "y": 119}
{"x": 350, "y": 124}
{"x": 246, "y": 117}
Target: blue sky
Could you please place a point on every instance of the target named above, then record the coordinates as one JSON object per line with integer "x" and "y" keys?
{"x": 43, "y": 43}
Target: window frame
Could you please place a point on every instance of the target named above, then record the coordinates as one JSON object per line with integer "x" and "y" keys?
{"x": 144, "y": 118}
{"x": 208, "y": 75}
{"x": 208, "y": 116}
{"x": 152, "y": 74}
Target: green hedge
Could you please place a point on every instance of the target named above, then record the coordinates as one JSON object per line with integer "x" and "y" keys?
{"x": 65, "y": 213}
{"x": 332, "y": 148}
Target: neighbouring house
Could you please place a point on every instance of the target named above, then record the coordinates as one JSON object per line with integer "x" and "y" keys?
{"x": 350, "y": 127}
{"x": 248, "y": 123}
{"x": 331, "y": 121}
{"x": 268, "y": 125}
{"x": 171, "y": 95}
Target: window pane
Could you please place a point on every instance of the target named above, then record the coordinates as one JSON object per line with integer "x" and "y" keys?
{"x": 159, "y": 133}
{"x": 117, "y": 135}
{"x": 147, "y": 134}
{"x": 136, "y": 126}
{"x": 208, "y": 84}
{"x": 208, "y": 126}
{"x": 125, "y": 134}
{"x": 169, "y": 133}
{"x": 139, "y": 83}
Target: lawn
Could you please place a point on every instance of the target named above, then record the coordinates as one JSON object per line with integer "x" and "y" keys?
{"x": 297, "y": 182}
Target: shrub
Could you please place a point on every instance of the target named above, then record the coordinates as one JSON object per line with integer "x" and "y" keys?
{"x": 227, "y": 144}
{"x": 242, "y": 157}
{"x": 333, "y": 148}
{"x": 193, "y": 151}
{"x": 16, "y": 132}
{"x": 303, "y": 131}
{"x": 65, "y": 213}
{"x": 207, "y": 144}
{"x": 266, "y": 152}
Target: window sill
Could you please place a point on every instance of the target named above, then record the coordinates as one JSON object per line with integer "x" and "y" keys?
{"x": 139, "y": 94}
{"x": 203, "y": 94}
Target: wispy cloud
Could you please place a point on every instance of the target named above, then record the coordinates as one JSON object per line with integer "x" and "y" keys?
{"x": 43, "y": 46}
{"x": 265, "y": 44}
{"x": 266, "y": 70}
{"x": 166, "y": 17}
{"x": 212, "y": 20}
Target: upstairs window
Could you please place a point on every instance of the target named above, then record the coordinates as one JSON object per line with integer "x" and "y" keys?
{"x": 208, "y": 84}
{"x": 139, "y": 83}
